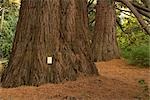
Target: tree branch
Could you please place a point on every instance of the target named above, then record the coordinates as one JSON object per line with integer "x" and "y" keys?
{"x": 146, "y": 14}
{"x": 126, "y": 12}
{"x": 120, "y": 26}
{"x": 90, "y": 3}
{"x": 140, "y": 7}
{"x": 137, "y": 15}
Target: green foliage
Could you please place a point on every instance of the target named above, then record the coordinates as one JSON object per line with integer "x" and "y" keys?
{"x": 138, "y": 55}
{"x": 136, "y": 49}
{"x": 133, "y": 34}
{"x": 8, "y": 28}
{"x": 133, "y": 41}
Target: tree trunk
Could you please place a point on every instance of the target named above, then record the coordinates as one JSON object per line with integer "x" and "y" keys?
{"x": 82, "y": 7}
{"x": 104, "y": 41}
{"x": 48, "y": 28}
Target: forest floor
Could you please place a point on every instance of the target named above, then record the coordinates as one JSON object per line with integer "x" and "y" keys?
{"x": 117, "y": 81}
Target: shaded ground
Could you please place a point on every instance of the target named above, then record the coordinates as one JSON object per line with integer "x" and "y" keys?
{"x": 118, "y": 81}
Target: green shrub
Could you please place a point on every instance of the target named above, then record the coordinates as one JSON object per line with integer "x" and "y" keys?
{"x": 139, "y": 55}
{"x": 8, "y": 27}
{"x": 126, "y": 53}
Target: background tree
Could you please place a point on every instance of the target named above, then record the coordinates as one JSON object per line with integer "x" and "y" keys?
{"x": 136, "y": 7}
{"x": 104, "y": 39}
{"x": 48, "y": 29}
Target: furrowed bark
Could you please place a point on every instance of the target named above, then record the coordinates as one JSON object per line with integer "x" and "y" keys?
{"x": 48, "y": 29}
{"x": 104, "y": 39}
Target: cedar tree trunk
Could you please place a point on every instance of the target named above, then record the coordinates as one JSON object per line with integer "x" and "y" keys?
{"x": 48, "y": 28}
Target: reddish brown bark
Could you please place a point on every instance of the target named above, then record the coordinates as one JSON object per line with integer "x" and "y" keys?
{"x": 48, "y": 29}
{"x": 104, "y": 41}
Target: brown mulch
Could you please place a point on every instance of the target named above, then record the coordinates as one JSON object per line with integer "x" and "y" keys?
{"x": 117, "y": 81}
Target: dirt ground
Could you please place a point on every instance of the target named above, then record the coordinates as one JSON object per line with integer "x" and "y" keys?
{"x": 117, "y": 81}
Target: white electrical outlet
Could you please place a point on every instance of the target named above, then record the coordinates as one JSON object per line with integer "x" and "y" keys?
{"x": 49, "y": 60}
